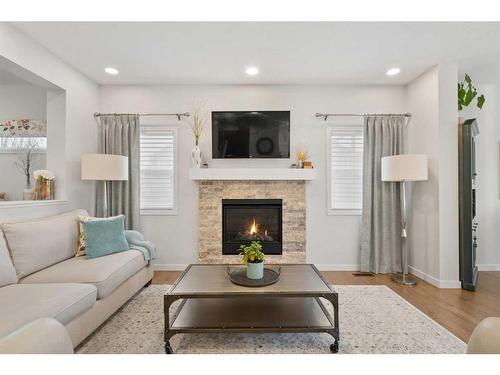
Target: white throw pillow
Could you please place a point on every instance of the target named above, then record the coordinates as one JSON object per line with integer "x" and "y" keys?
{"x": 41, "y": 243}
{"x": 7, "y": 271}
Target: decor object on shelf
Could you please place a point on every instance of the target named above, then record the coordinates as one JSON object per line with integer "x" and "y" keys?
{"x": 466, "y": 94}
{"x": 302, "y": 155}
{"x": 24, "y": 164}
{"x": 104, "y": 167}
{"x": 196, "y": 125}
{"x": 253, "y": 257}
{"x": 307, "y": 165}
{"x": 196, "y": 157}
{"x": 44, "y": 185}
{"x": 404, "y": 168}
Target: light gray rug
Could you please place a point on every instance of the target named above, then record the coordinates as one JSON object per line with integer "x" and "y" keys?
{"x": 373, "y": 319}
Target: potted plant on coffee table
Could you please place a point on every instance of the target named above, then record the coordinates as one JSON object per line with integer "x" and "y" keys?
{"x": 253, "y": 257}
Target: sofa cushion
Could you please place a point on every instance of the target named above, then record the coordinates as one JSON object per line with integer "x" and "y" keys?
{"x": 104, "y": 236}
{"x": 42, "y": 336}
{"x": 7, "y": 270}
{"x": 40, "y": 243}
{"x": 106, "y": 273}
{"x": 23, "y": 303}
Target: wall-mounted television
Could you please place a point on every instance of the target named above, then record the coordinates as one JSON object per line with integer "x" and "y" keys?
{"x": 251, "y": 134}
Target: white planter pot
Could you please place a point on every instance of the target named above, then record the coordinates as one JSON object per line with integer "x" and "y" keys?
{"x": 255, "y": 271}
{"x": 196, "y": 157}
{"x": 28, "y": 194}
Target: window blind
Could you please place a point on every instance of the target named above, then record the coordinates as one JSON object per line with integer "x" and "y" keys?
{"x": 346, "y": 167}
{"x": 157, "y": 152}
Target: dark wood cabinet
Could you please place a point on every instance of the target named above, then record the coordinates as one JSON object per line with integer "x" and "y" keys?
{"x": 467, "y": 132}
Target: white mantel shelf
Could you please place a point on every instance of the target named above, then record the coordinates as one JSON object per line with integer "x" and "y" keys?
{"x": 252, "y": 174}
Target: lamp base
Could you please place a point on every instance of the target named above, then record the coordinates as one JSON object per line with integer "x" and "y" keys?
{"x": 405, "y": 279}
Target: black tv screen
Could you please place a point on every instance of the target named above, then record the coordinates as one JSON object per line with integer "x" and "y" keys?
{"x": 255, "y": 134}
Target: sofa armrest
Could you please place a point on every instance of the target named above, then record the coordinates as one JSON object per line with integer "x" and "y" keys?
{"x": 42, "y": 336}
{"x": 485, "y": 338}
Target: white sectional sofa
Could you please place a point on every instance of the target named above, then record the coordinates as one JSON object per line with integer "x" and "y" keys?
{"x": 40, "y": 277}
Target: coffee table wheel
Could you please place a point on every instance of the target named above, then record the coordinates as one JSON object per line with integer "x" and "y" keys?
{"x": 168, "y": 348}
{"x": 334, "y": 348}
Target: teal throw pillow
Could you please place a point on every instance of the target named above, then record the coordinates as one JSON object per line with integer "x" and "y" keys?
{"x": 104, "y": 237}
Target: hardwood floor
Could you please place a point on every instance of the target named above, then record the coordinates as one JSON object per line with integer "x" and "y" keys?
{"x": 457, "y": 310}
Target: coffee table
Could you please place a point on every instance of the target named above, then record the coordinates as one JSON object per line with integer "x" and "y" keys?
{"x": 212, "y": 303}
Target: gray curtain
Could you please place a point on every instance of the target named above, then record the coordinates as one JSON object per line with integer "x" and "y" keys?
{"x": 381, "y": 224}
{"x": 119, "y": 135}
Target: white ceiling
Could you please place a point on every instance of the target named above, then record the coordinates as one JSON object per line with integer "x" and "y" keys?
{"x": 286, "y": 53}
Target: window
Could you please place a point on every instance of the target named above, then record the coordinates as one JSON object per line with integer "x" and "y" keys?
{"x": 158, "y": 170}
{"x": 20, "y": 144}
{"x": 345, "y": 148}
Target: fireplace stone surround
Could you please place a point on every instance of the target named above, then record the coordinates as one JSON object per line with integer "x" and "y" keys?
{"x": 292, "y": 194}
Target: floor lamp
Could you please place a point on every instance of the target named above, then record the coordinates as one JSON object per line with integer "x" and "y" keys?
{"x": 104, "y": 167}
{"x": 403, "y": 169}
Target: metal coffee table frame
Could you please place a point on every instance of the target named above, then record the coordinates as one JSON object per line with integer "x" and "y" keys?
{"x": 332, "y": 326}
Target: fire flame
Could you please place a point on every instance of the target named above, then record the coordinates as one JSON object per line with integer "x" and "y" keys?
{"x": 254, "y": 228}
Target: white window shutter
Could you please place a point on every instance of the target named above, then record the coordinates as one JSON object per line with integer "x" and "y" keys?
{"x": 158, "y": 168}
{"x": 346, "y": 168}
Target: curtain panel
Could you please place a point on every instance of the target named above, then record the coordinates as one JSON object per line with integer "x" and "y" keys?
{"x": 120, "y": 135}
{"x": 381, "y": 215}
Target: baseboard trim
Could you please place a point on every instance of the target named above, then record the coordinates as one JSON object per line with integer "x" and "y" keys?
{"x": 169, "y": 267}
{"x": 488, "y": 267}
{"x": 444, "y": 284}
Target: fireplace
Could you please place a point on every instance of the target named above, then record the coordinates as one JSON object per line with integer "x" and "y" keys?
{"x": 247, "y": 220}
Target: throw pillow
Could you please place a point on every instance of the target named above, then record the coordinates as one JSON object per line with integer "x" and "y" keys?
{"x": 104, "y": 236}
{"x": 81, "y": 237}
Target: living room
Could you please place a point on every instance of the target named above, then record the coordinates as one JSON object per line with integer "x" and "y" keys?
{"x": 203, "y": 188}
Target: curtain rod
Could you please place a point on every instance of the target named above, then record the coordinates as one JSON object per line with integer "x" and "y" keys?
{"x": 326, "y": 115}
{"x": 178, "y": 115}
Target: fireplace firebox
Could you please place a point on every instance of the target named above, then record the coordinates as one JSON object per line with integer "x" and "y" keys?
{"x": 247, "y": 220}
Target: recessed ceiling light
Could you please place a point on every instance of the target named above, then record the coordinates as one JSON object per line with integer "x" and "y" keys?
{"x": 393, "y": 71}
{"x": 252, "y": 71}
{"x": 111, "y": 71}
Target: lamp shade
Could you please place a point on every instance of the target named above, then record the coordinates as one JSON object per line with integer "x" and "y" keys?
{"x": 104, "y": 167}
{"x": 406, "y": 167}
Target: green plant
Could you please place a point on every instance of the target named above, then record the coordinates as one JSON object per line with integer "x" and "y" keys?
{"x": 466, "y": 94}
{"x": 252, "y": 253}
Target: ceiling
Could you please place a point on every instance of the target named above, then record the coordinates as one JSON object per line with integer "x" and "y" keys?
{"x": 285, "y": 52}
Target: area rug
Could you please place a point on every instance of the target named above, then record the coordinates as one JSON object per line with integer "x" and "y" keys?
{"x": 373, "y": 319}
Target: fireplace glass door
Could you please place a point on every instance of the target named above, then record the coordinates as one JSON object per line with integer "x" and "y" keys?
{"x": 247, "y": 220}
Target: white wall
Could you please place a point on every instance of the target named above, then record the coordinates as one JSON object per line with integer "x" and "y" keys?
{"x": 75, "y": 103}
{"x": 423, "y": 138}
{"x": 433, "y": 221}
{"x": 488, "y": 180}
{"x": 23, "y": 101}
{"x": 448, "y": 175}
{"x": 332, "y": 241}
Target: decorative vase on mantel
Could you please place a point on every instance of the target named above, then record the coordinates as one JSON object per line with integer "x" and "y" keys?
{"x": 28, "y": 194}
{"x": 196, "y": 156}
